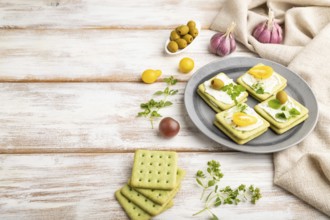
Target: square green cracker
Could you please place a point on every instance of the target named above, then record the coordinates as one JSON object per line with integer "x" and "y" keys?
{"x": 262, "y": 97}
{"x": 132, "y": 210}
{"x": 154, "y": 170}
{"x": 162, "y": 196}
{"x": 218, "y": 105}
{"x": 143, "y": 202}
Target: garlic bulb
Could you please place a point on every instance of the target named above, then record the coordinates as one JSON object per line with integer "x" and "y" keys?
{"x": 223, "y": 44}
{"x": 268, "y": 32}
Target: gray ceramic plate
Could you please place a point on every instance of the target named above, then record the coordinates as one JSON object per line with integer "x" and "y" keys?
{"x": 202, "y": 115}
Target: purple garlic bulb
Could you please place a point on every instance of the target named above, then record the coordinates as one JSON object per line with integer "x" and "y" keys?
{"x": 223, "y": 44}
{"x": 268, "y": 32}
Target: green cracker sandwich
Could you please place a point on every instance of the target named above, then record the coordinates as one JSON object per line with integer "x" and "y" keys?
{"x": 282, "y": 117}
{"x": 241, "y": 123}
{"x": 162, "y": 196}
{"x": 132, "y": 210}
{"x": 218, "y": 98}
{"x": 262, "y": 81}
{"x": 154, "y": 170}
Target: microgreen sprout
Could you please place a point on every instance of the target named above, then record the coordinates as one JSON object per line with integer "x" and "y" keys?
{"x": 151, "y": 108}
{"x": 221, "y": 196}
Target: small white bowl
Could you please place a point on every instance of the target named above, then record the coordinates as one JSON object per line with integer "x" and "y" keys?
{"x": 198, "y": 26}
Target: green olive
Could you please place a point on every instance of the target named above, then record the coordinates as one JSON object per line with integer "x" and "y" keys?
{"x": 182, "y": 43}
{"x": 174, "y": 35}
{"x": 193, "y": 32}
{"x": 182, "y": 30}
{"x": 188, "y": 38}
{"x": 191, "y": 24}
{"x": 173, "y": 46}
{"x": 282, "y": 97}
{"x": 217, "y": 84}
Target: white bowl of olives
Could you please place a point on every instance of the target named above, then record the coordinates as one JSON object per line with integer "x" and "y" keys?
{"x": 182, "y": 37}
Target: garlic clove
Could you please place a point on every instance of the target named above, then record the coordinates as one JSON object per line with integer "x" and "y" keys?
{"x": 265, "y": 36}
{"x": 259, "y": 29}
{"x": 279, "y": 32}
{"x": 224, "y": 46}
{"x": 274, "y": 37}
{"x": 214, "y": 42}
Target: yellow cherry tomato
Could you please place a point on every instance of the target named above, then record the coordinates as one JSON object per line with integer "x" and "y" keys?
{"x": 186, "y": 65}
{"x": 241, "y": 119}
{"x": 261, "y": 72}
{"x": 150, "y": 76}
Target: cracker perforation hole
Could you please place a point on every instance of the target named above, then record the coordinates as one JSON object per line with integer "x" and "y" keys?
{"x": 146, "y": 200}
{"x": 168, "y": 173}
{"x": 139, "y": 214}
{"x": 154, "y": 206}
{"x": 167, "y": 181}
{"x": 149, "y": 180}
{"x": 150, "y": 164}
{"x": 158, "y": 172}
{"x": 150, "y": 171}
{"x": 159, "y": 164}
{"x": 159, "y": 194}
{"x": 134, "y": 207}
{"x": 169, "y": 165}
{"x": 152, "y": 156}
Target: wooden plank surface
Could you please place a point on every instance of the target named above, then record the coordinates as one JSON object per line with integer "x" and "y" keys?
{"x": 89, "y": 117}
{"x": 75, "y": 14}
{"x": 94, "y": 55}
{"x": 82, "y": 186}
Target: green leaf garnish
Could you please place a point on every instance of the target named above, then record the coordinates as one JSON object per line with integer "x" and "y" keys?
{"x": 287, "y": 113}
{"x": 281, "y": 116}
{"x": 233, "y": 91}
{"x": 294, "y": 112}
{"x": 260, "y": 91}
{"x": 259, "y": 88}
{"x": 241, "y": 107}
{"x": 274, "y": 103}
{"x": 158, "y": 93}
{"x": 151, "y": 108}
{"x": 226, "y": 195}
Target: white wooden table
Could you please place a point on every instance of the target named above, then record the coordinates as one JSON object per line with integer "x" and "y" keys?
{"x": 70, "y": 91}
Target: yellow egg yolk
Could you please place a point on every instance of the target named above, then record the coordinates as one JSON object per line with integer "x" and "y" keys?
{"x": 241, "y": 119}
{"x": 261, "y": 72}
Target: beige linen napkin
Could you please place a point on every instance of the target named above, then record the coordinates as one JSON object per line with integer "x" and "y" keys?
{"x": 304, "y": 170}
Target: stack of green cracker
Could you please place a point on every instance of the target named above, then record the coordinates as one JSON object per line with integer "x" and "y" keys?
{"x": 154, "y": 182}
